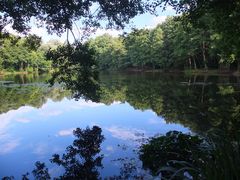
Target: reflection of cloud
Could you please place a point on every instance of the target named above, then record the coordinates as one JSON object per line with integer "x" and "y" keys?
{"x": 116, "y": 102}
{"x": 86, "y": 104}
{"x": 169, "y": 8}
{"x": 109, "y": 148}
{"x": 8, "y": 146}
{"x": 40, "y": 149}
{"x": 23, "y": 120}
{"x": 7, "y": 118}
{"x": 126, "y": 134}
{"x": 156, "y": 121}
{"x": 51, "y": 112}
{"x": 66, "y": 132}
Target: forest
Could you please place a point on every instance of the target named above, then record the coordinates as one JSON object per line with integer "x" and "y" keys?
{"x": 176, "y": 44}
{"x": 173, "y": 45}
{"x": 22, "y": 54}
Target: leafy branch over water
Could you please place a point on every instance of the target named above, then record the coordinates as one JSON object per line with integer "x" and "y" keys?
{"x": 76, "y": 68}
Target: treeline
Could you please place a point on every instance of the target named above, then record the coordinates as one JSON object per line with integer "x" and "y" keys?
{"x": 22, "y": 54}
{"x": 174, "y": 44}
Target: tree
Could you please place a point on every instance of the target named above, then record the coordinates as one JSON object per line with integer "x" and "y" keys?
{"x": 224, "y": 21}
{"x": 156, "y": 43}
{"x": 59, "y": 15}
{"x": 137, "y": 45}
{"x": 22, "y": 54}
{"x": 75, "y": 67}
{"x": 110, "y": 51}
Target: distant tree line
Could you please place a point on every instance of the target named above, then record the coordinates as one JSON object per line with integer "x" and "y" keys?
{"x": 24, "y": 53}
{"x": 174, "y": 44}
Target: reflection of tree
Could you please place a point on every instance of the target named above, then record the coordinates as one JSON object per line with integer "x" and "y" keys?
{"x": 180, "y": 156}
{"x": 166, "y": 151}
{"x": 40, "y": 172}
{"x": 81, "y": 159}
{"x": 32, "y": 95}
{"x": 195, "y": 102}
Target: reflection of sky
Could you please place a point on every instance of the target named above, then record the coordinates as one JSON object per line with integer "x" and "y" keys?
{"x": 28, "y": 134}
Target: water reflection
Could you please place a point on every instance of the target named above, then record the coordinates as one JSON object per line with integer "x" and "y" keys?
{"x": 183, "y": 156}
{"x": 34, "y": 92}
{"x": 82, "y": 158}
{"x": 173, "y": 156}
{"x": 131, "y": 108}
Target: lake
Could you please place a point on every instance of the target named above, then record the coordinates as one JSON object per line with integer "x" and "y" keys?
{"x": 37, "y": 121}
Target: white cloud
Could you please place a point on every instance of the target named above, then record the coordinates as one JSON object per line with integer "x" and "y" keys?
{"x": 66, "y": 132}
{"x": 9, "y": 29}
{"x": 112, "y": 32}
{"x": 9, "y": 146}
{"x": 125, "y": 133}
{"x": 155, "y": 21}
{"x": 39, "y": 31}
{"x": 158, "y": 20}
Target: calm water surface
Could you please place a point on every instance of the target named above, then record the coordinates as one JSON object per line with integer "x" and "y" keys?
{"x": 37, "y": 121}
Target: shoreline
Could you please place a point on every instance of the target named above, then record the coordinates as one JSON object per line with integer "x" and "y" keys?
{"x": 186, "y": 72}
{"x": 5, "y": 73}
{"x": 211, "y": 72}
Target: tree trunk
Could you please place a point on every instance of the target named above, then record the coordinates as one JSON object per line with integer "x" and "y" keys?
{"x": 194, "y": 63}
{"x": 21, "y": 66}
{"x": 190, "y": 63}
{"x": 238, "y": 65}
{"x": 204, "y": 55}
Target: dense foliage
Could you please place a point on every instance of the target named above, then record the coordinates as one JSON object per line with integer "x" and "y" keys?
{"x": 75, "y": 67}
{"x": 22, "y": 54}
{"x": 59, "y": 15}
{"x": 109, "y": 51}
{"x": 174, "y": 44}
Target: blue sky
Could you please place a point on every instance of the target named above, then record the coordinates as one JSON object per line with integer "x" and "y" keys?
{"x": 142, "y": 21}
